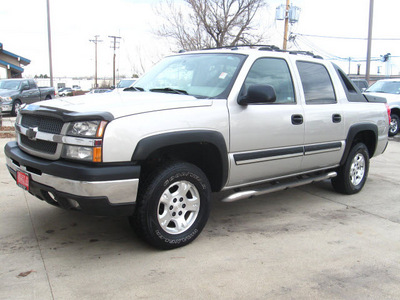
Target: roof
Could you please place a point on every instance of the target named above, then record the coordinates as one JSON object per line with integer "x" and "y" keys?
{"x": 21, "y": 59}
{"x": 11, "y": 66}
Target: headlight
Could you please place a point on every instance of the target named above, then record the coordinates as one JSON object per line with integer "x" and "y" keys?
{"x": 5, "y": 99}
{"x": 83, "y": 128}
{"x": 89, "y": 129}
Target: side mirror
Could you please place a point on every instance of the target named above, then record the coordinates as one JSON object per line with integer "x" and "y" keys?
{"x": 258, "y": 93}
{"x": 25, "y": 88}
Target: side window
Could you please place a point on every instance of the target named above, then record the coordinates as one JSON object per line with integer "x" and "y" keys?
{"x": 317, "y": 84}
{"x": 24, "y": 84}
{"x": 32, "y": 84}
{"x": 274, "y": 72}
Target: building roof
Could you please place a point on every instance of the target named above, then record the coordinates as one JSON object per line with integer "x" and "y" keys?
{"x": 21, "y": 59}
{"x": 11, "y": 66}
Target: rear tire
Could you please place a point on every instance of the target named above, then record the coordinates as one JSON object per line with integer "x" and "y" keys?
{"x": 352, "y": 175}
{"x": 173, "y": 206}
{"x": 394, "y": 125}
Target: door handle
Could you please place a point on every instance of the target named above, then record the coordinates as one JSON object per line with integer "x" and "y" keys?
{"x": 336, "y": 118}
{"x": 297, "y": 119}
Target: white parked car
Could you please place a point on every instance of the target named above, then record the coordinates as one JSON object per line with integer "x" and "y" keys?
{"x": 390, "y": 89}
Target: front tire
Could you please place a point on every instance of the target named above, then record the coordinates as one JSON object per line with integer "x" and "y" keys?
{"x": 15, "y": 107}
{"x": 394, "y": 125}
{"x": 353, "y": 174}
{"x": 173, "y": 206}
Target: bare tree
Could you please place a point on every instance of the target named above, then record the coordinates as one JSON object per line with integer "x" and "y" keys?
{"x": 211, "y": 23}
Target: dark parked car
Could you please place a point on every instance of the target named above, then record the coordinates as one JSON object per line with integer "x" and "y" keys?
{"x": 15, "y": 92}
{"x": 362, "y": 84}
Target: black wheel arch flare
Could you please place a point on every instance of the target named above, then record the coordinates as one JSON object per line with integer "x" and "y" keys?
{"x": 355, "y": 131}
{"x": 148, "y": 145}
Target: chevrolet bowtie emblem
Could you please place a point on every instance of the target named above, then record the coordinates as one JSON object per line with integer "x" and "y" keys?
{"x": 31, "y": 133}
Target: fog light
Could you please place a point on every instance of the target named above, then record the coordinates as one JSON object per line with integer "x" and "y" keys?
{"x": 77, "y": 152}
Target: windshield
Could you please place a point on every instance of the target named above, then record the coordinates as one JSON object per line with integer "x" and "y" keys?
{"x": 125, "y": 83}
{"x": 390, "y": 87}
{"x": 9, "y": 84}
{"x": 201, "y": 75}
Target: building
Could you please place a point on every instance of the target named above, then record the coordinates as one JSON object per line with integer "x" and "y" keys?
{"x": 10, "y": 64}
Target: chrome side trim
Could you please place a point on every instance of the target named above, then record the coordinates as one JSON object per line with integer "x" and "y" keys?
{"x": 117, "y": 191}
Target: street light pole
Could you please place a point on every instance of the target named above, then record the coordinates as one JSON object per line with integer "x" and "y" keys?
{"x": 371, "y": 15}
{"x": 49, "y": 39}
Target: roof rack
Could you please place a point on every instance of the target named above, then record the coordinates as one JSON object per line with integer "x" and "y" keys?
{"x": 309, "y": 53}
{"x": 268, "y": 48}
{"x": 236, "y": 47}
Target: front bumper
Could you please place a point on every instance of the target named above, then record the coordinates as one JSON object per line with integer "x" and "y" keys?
{"x": 94, "y": 189}
{"x": 6, "y": 107}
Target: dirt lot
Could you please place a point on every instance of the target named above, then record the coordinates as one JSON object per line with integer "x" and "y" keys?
{"x": 303, "y": 243}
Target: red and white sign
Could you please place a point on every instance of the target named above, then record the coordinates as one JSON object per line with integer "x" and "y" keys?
{"x": 23, "y": 180}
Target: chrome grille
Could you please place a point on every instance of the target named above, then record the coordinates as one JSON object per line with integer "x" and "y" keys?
{"x": 44, "y": 124}
{"x": 38, "y": 145}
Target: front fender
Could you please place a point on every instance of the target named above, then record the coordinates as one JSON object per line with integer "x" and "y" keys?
{"x": 148, "y": 145}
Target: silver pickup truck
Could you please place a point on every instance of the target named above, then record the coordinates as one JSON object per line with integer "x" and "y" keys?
{"x": 250, "y": 121}
{"x": 15, "y": 92}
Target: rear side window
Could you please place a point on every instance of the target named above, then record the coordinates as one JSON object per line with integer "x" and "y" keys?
{"x": 317, "y": 84}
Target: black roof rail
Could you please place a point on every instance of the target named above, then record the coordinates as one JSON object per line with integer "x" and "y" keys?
{"x": 266, "y": 48}
{"x": 309, "y": 53}
{"x": 236, "y": 47}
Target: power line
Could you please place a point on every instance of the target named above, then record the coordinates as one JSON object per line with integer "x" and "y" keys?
{"x": 347, "y": 38}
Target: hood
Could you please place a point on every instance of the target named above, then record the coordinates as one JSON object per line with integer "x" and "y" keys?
{"x": 8, "y": 93}
{"x": 121, "y": 104}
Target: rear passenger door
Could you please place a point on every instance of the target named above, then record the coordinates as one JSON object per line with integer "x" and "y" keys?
{"x": 323, "y": 117}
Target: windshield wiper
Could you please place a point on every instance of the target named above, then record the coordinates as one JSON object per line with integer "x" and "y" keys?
{"x": 169, "y": 90}
{"x": 134, "y": 88}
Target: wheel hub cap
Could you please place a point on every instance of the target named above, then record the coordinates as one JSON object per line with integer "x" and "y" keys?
{"x": 393, "y": 125}
{"x": 357, "y": 169}
{"x": 178, "y": 207}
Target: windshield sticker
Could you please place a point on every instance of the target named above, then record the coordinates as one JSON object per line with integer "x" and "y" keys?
{"x": 223, "y": 75}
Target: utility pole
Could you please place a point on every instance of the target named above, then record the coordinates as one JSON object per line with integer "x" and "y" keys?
{"x": 49, "y": 39}
{"x": 115, "y": 42}
{"x": 371, "y": 15}
{"x": 95, "y": 41}
{"x": 285, "y": 34}
{"x": 290, "y": 14}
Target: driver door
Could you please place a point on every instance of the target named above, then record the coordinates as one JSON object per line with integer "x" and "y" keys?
{"x": 266, "y": 140}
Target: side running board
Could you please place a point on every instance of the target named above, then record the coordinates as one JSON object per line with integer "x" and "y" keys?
{"x": 298, "y": 181}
